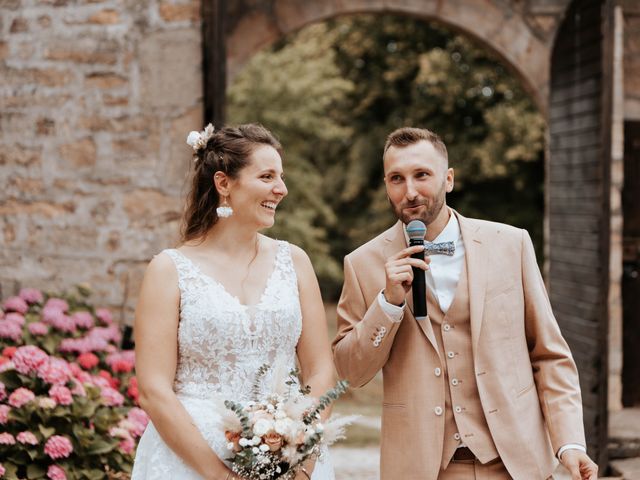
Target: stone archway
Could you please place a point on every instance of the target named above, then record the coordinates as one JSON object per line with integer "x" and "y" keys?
{"x": 520, "y": 33}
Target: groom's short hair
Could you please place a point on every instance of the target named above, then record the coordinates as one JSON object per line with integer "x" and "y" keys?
{"x": 405, "y": 136}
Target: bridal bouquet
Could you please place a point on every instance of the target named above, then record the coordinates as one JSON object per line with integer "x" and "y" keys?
{"x": 271, "y": 435}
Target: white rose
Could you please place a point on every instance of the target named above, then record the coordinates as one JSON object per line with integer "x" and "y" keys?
{"x": 264, "y": 448}
{"x": 255, "y": 450}
{"x": 244, "y": 442}
{"x": 319, "y": 428}
{"x": 284, "y": 426}
{"x": 193, "y": 138}
{"x": 262, "y": 426}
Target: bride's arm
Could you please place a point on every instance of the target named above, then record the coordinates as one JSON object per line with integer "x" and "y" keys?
{"x": 156, "y": 338}
{"x": 314, "y": 352}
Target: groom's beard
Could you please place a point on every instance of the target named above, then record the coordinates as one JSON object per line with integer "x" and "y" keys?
{"x": 433, "y": 206}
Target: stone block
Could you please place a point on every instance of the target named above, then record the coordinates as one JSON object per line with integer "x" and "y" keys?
{"x": 105, "y": 17}
{"x": 43, "y": 100}
{"x": 293, "y": 14}
{"x": 171, "y": 69}
{"x": 10, "y": 4}
{"x": 173, "y": 170}
{"x": 44, "y": 21}
{"x": 81, "y": 153}
{"x": 171, "y": 12}
{"x": 89, "y": 50}
{"x": 45, "y": 126}
{"x": 26, "y": 187}
{"x": 48, "y": 77}
{"x": 122, "y": 124}
{"x": 115, "y": 100}
{"x": 105, "y": 80}
{"x": 19, "y": 25}
{"x": 253, "y": 32}
{"x": 13, "y": 207}
{"x": 144, "y": 207}
{"x": 4, "y": 50}
{"x": 13, "y": 155}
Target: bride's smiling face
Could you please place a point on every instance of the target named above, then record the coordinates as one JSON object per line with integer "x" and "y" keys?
{"x": 259, "y": 188}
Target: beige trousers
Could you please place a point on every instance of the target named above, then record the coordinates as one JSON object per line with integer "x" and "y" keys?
{"x": 474, "y": 470}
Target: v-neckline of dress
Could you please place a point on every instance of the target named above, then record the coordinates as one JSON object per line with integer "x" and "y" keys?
{"x": 226, "y": 292}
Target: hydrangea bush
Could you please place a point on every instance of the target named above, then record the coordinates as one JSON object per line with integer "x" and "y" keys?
{"x": 68, "y": 394}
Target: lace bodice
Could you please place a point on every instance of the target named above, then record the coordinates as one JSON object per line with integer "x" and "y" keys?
{"x": 221, "y": 342}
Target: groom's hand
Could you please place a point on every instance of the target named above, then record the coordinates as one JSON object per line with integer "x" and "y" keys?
{"x": 399, "y": 273}
{"x": 580, "y": 466}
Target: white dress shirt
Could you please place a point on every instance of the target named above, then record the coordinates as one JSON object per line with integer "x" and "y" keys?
{"x": 442, "y": 279}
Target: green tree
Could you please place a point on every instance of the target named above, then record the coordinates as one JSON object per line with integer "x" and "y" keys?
{"x": 334, "y": 91}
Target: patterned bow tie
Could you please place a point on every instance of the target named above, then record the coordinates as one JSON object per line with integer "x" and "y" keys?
{"x": 442, "y": 248}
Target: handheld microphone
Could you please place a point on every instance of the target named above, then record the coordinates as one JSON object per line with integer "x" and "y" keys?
{"x": 416, "y": 230}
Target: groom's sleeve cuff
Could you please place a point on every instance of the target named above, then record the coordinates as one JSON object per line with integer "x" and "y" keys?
{"x": 570, "y": 446}
{"x": 394, "y": 312}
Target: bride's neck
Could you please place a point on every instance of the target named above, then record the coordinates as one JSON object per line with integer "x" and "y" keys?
{"x": 231, "y": 238}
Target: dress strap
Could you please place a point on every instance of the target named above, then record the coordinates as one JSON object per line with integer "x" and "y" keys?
{"x": 184, "y": 267}
{"x": 284, "y": 264}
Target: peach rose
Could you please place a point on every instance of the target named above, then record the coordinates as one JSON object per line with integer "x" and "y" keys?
{"x": 233, "y": 437}
{"x": 273, "y": 440}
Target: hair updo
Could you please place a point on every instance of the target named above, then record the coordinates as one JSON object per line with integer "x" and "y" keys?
{"x": 227, "y": 151}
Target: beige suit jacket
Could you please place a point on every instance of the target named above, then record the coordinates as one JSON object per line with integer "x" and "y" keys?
{"x": 526, "y": 376}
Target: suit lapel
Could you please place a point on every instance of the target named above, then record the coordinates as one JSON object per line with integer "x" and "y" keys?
{"x": 396, "y": 241}
{"x": 476, "y": 257}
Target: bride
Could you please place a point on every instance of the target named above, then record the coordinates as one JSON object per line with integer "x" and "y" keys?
{"x": 226, "y": 302}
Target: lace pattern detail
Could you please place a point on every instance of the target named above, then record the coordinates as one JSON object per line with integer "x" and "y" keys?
{"x": 221, "y": 342}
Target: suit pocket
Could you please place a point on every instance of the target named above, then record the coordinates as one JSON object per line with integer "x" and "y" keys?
{"x": 524, "y": 391}
{"x": 393, "y": 405}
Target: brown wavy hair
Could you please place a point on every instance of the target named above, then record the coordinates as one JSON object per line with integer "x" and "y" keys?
{"x": 228, "y": 151}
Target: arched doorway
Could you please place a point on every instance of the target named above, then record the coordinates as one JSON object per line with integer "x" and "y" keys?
{"x": 563, "y": 69}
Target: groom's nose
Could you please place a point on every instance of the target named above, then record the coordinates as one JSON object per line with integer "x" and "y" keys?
{"x": 411, "y": 194}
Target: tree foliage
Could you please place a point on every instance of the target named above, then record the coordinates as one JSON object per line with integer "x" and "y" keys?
{"x": 333, "y": 91}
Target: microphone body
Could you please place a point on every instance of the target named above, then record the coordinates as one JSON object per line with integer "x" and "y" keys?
{"x": 416, "y": 231}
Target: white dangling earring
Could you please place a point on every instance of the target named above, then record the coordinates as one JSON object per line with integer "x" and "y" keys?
{"x": 224, "y": 210}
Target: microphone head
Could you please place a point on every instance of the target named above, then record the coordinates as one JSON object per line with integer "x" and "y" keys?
{"x": 416, "y": 230}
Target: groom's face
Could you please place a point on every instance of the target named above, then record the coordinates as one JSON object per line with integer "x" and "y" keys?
{"x": 417, "y": 178}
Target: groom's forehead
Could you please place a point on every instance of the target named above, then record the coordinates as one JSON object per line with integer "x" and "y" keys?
{"x": 411, "y": 157}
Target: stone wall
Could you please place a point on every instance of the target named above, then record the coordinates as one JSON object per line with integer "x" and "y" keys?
{"x": 632, "y": 59}
{"x": 96, "y": 99}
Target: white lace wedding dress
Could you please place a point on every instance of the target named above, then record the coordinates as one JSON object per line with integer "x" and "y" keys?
{"x": 221, "y": 345}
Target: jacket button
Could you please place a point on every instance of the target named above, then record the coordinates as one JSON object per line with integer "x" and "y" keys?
{"x": 446, "y": 327}
{"x": 454, "y": 381}
{"x": 438, "y": 411}
{"x": 437, "y": 371}
{"x": 451, "y": 354}
{"x": 458, "y": 409}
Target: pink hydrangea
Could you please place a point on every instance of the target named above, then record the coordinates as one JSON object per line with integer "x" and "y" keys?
{"x": 88, "y": 360}
{"x": 121, "y": 361}
{"x": 38, "y": 328}
{"x": 15, "y": 317}
{"x": 3, "y": 391}
{"x": 64, "y": 323}
{"x": 83, "y": 320}
{"x": 27, "y": 438}
{"x": 78, "y": 389}
{"x": 57, "y": 303}
{"x": 139, "y": 420}
{"x": 10, "y": 330}
{"x": 55, "y": 371}
{"x": 61, "y": 394}
{"x": 7, "y": 439}
{"x": 56, "y": 473}
{"x": 20, "y": 396}
{"x": 31, "y": 295}
{"x": 2, "y": 470}
{"x": 127, "y": 445}
{"x": 104, "y": 315}
{"x": 111, "y": 397}
{"x": 83, "y": 345}
{"x": 4, "y": 414}
{"x": 58, "y": 447}
{"x": 29, "y": 358}
{"x": 16, "y": 304}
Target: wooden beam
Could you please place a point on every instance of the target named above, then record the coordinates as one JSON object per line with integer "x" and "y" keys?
{"x": 214, "y": 60}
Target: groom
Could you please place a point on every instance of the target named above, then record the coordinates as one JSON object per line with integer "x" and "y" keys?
{"x": 485, "y": 387}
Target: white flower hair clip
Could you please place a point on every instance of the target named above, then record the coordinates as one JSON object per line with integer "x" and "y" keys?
{"x": 198, "y": 140}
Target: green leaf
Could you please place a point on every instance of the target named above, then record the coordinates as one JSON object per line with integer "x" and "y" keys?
{"x": 35, "y": 471}
{"x": 46, "y": 431}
